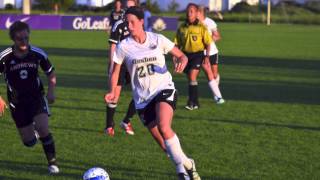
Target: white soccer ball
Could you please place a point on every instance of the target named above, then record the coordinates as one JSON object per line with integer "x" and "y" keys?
{"x": 96, "y": 173}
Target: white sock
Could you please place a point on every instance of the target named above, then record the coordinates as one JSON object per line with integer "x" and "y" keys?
{"x": 215, "y": 88}
{"x": 176, "y": 154}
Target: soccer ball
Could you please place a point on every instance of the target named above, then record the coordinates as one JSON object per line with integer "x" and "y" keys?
{"x": 96, "y": 173}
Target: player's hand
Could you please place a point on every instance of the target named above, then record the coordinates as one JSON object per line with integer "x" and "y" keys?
{"x": 110, "y": 98}
{"x": 3, "y": 106}
{"x": 179, "y": 64}
{"x": 51, "y": 98}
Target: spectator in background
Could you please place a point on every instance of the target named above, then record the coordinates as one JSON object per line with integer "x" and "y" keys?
{"x": 213, "y": 53}
{"x": 147, "y": 18}
{"x": 116, "y": 13}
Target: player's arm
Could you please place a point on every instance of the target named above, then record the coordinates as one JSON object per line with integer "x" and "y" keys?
{"x": 3, "y": 106}
{"x": 216, "y": 35}
{"x": 52, "y": 81}
{"x": 207, "y": 39}
{"x": 111, "y": 53}
{"x": 110, "y": 96}
{"x": 180, "y": 60}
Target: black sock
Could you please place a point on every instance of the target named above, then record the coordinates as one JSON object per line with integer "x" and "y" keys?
{"x": 193, "y": 94}
{"x": 111, "y": 109}
{"x": 49, "y": 149}
{"x": 130, "y": 113}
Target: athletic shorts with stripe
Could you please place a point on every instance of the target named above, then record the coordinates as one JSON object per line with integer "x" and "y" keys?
{"x": 148, "y": 114}
{"x": 26, "y": 109}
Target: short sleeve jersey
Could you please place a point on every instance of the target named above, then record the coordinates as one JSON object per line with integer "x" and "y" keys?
{"x": 21, "y": 74}
{"x": 211, "y": 26}
{"x": 146, "y": 65}
{"x": 193, "y": 37}
{"x": 119, "y": 31}
{"x": 115, "y": 16}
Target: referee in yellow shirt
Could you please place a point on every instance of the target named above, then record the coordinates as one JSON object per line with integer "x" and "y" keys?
{"x": 193, "y": 38}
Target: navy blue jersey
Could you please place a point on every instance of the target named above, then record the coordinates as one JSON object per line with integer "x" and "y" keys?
{"x": 119, "y": 31}
{"x": 21, "y": 74}
{"x": 115, "y": 16}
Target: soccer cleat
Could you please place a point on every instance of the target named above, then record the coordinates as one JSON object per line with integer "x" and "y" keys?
{"x": 183, "y": 176}
{"x": 109, "y": 131}
{"x": 193, "y": 174}
{"x": 219, "y": 100}
{"x": 53, "y": 169}
{"x": 127, "y": 128}
{"x": 189, "y": 107}
{"x": 195, "y": 107}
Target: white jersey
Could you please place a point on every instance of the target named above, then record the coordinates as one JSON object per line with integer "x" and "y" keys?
{"x": 146, "y": 65}
{"x": 211, "y": 26}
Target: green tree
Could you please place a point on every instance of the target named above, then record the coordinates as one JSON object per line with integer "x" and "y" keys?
{"x": 49, "y": 4}
{"x": 173, "y": 6}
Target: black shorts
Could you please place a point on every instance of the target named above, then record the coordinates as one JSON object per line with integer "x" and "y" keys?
{"x": 214, "y": 59}
{"x": 124, "y": 76}
{"x": 194, "y": 61}
{"x": 25, "y": 110}
{"x": 148, "y": 113}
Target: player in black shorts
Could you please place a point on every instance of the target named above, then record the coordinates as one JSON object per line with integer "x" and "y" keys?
{"x": 119, "y": 32}
{"x": 28, "y": 105}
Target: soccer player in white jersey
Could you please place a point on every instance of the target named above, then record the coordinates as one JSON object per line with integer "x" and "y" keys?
{"x": 154, "y": 92}
{"x": 213, "y": 54}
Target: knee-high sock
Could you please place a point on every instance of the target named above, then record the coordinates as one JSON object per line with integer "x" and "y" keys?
{"x": 131, "y": 111}
{"x": 177, "y": 155}
{"x": 111, "y": 109}
{"x": 193, "y": 92}
{"x": 215, "y": 88}
{"x": 49, "y": 149}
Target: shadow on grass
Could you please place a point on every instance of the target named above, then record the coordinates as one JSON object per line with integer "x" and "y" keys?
{"x": 248, "y": 90}
{"x": 34, "y": 168}
{"x": 271, "y": 62}
{"x": 232, "y": 89}
{"x": 252, "y": 123}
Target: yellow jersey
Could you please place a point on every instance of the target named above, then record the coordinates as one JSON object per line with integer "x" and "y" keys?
{"x": 191, "y": 38}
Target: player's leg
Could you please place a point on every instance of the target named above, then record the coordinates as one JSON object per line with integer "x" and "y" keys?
{"x": 215, "y": 85}
{"x": 184, "y": 165}
{"x": 193, "y": 102}
{"x": 48, "y": 144}
{"x": 110, "y": 111}
{"x": 125, "y": 123}
{"x": 40, "y": 112}
{"x": 153, "y": 129}
{"x": 27, "y": 135}
{"x": 24, "y": 124}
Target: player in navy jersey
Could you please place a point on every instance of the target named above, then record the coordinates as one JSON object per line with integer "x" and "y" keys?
{"x": 28, "y": 103}
{"x": 116, "y": 13}
{"x": 153, "y": 90}
{"x": 119, "y": 32}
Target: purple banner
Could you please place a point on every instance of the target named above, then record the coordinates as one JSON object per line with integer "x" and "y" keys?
{"x": 42, "y": 22}
{"x": 55, "y": 22}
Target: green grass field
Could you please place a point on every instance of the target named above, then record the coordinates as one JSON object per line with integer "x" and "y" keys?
{"x": 269, "y": 127}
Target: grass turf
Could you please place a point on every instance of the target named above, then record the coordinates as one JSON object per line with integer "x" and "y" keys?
{"x": 269, "y": 127}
